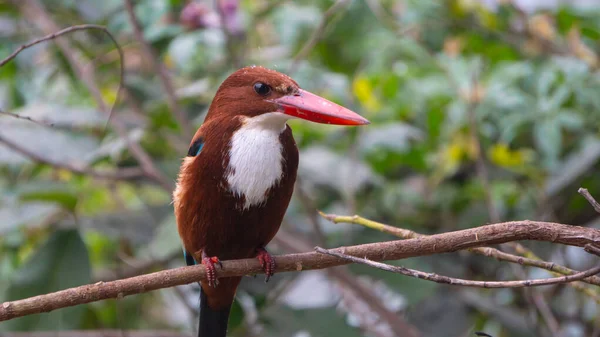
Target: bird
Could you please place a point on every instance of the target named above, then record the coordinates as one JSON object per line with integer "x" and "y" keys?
{"x": 237, "y": 179}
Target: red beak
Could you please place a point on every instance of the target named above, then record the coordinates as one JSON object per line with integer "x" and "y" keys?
{"x": 311, "y": 107}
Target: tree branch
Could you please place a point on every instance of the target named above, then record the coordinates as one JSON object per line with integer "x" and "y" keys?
{"x": 461, "y": 282}
{"x": 392, "y": 250}
{"x": 485, "y": 251}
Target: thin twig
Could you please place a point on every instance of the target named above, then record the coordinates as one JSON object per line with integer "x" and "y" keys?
{"x": 51, "y": 37}
{"x": 160, "y": 68}
{"x": 26, "y": 118}
{"x": 53, "y": 125}
{"x": 461, "y": 282}
{"x": 586, "y": 194}
{"x": 592, "y": 249}
{"x": 317, "y": 34}
{"x": 120, "y": 174}
{"x": 391, "y": 250}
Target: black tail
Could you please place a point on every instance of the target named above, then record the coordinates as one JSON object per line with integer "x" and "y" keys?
{"x": 213, "y": 323}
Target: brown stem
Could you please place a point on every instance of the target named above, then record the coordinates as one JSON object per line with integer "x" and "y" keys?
{"x": 586, "y": 194}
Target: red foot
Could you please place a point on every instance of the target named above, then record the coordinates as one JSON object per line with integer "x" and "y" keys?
{"x": 267, "y": 262}
{"x": 211, "y": 271}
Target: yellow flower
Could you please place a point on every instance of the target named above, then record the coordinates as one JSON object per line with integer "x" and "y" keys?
{"x": 363, "y": 90}
{"x": 502, "y": 156}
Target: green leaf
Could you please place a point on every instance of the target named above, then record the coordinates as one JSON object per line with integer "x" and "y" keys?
{"x": 570, "y": 120}
{"x": 61, "y": 263}
{"x": 545, "y": 81}
{"x": 548, "y": 139}
{"x": 14, "y": 214}
{"x": 557, "y": 98}
{"x": 65, "y": 199}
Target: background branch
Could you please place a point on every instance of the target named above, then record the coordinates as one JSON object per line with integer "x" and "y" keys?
{"x": 317, "y": 34}
{"x": 123, "y": 173}
{"x": 34, "y": 11}
{"x": 162, "y": 71}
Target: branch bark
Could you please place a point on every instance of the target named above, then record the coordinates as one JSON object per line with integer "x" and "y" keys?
{"x": 392, "y": 250}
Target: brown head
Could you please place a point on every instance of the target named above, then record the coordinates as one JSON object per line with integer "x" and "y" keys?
{"x": 254, "y": 90}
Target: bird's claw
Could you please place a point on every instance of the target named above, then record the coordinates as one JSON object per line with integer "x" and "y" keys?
{"x": 267, "y": 262}
{"x": 211, "y": 270}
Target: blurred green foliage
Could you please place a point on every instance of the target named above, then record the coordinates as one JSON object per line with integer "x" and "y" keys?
{"x": 446, "y": 85}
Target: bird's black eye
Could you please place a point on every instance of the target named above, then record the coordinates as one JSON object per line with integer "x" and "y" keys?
{"x": 262, "y": 89}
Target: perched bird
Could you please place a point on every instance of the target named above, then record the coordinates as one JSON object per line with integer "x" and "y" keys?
{"x": 236, "y": 182}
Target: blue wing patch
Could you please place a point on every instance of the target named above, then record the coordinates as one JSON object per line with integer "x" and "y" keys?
{"x": 196, "y": 147}
{"x": 189, "y": 259}
{"x": 193, "y": 151}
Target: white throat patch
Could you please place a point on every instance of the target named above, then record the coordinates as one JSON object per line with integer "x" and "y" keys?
{"x": 255, "y": 157}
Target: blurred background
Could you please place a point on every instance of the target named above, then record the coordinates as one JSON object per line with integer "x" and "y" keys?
{"x": 481, "y": 111}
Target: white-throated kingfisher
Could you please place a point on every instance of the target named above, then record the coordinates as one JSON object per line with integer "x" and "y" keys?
{"x": 236, "y": 182}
